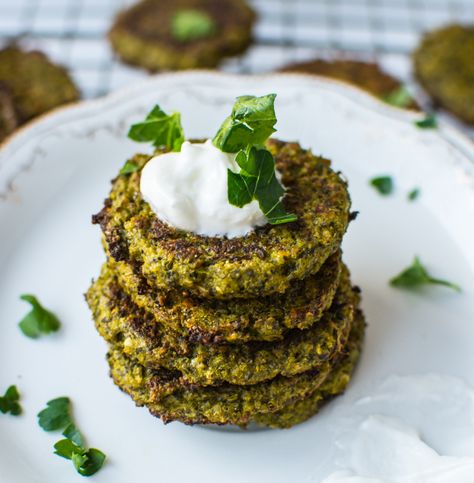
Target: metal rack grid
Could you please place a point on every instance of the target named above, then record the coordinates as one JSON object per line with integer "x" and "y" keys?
{"x": 73, "y": 33}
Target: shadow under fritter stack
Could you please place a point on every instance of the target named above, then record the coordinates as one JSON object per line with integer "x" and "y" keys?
{"x": 258, "y": 329}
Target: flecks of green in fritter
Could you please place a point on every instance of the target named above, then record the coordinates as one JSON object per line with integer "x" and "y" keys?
{"x": 143, "y": 339}
{"x": 166, "y": 396}
{"x": 444, "y": 66}
{"x": 215, "y": 321}
{"x": 266, "y": 261}
{"x": 142, "y": 35}
{"x": 37, "y": 85}
{"x": 335, "y": 383}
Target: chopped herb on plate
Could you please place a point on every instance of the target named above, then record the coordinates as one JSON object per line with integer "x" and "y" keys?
{"x": 56, "y": 416}
{"x": 414, "y": 194}
{"x": 428, "y": 122}
{"x": 416, "y": 275}
{"x": 39, "y": 321}
{"x": 383, "y": 184}
{"x": 9, "y": 402}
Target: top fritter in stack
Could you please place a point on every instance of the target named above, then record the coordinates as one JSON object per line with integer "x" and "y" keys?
{"x": 262, "y": 328}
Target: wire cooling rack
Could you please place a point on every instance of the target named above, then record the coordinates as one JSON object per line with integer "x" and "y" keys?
{"x": 73, "y": 33}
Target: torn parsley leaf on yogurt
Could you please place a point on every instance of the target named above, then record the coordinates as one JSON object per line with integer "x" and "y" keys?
{"x": 39, "y": 321}
{"x": 244, "y": 132}
{"x": 9, "y": 402}
{"x": 159, "y": 128}
{"x": 242, "y": 135}
{"x": 57, "y": 416}
{"x": 416, "y": 275}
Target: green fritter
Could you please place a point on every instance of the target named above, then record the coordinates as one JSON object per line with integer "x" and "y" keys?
{"x": 36, "y": 84}
{"x": 140, "y": 337}
{"x": 216, "y": 321}
{"x": 266, "y": 261}
{"x": 182, "y": 34}
{"x": 366, "y": 75}
{"x": 335, "y": 384}
{"x": 8, "y": 117}
{"x": 168, "y": 397}
{"x": 444, "y": 65}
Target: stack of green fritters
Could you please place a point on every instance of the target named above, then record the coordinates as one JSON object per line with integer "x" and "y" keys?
{"x": 263, "y": 328}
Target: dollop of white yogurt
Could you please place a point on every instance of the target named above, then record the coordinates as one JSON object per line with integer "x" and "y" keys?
{"x": 412, "y": 429}
{"x": 188, "y": 190}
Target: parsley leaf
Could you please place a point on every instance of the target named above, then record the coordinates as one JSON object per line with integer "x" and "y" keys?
{"x": 188, "y": 25}
{"x": 159, "y": 128}
{"x": 417, "y": 275}
{"x": 39, "y": 320}
{"x": 93, "y": 462}
{"x": 257, "y": 181}
{"x": 413, "y": 194}
{"x": 399, "y": 97}
{"x": 66, "y": 448}
{"x": 129, "y": 167}
{"x": 251, "y": 122}
{"x": 383, "y": 184}
{"x": 86, "y": 461}
{"x": 73, "y": 434}
{"x": 9, "y": 402}
{"x": 428, "y": 122}
{"x": 56, "y": 415}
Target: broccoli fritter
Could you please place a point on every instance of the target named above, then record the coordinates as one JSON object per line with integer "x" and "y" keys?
{"x": 143, "y": 34}
{"x": 216, "y": 321}
{"x": 36, "y": 84}
{"x": 366, "y": 75}
{"x": 266, "y": 261}
{"x": 8, "y": 117}
{"x": 143, "y": 339}
{"x": 444, "y": 65}
{"x": 166, "y": 395}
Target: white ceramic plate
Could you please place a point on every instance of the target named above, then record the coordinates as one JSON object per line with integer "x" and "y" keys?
{"x": 55, "y": 174}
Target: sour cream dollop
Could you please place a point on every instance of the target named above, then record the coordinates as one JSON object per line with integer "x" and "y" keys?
{"x": 412, "y": 429}
{"x": 188, "y": 190}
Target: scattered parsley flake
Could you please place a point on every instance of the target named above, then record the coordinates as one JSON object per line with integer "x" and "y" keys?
{"x": 416, "y": 275}
{"x": 39, "y": 320}
{"x": 9, "y": 402}
{"x": 188, "y": 25}
{"x": 400, "y": 97}
{"x": 55, "y": 416}
{"x": 383, "y": 184}
{"x": 129, "y": 168}
{"x": 413, "y": 194}
{"x": 428, "y": 122}
{"x": 159, "y": 128}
